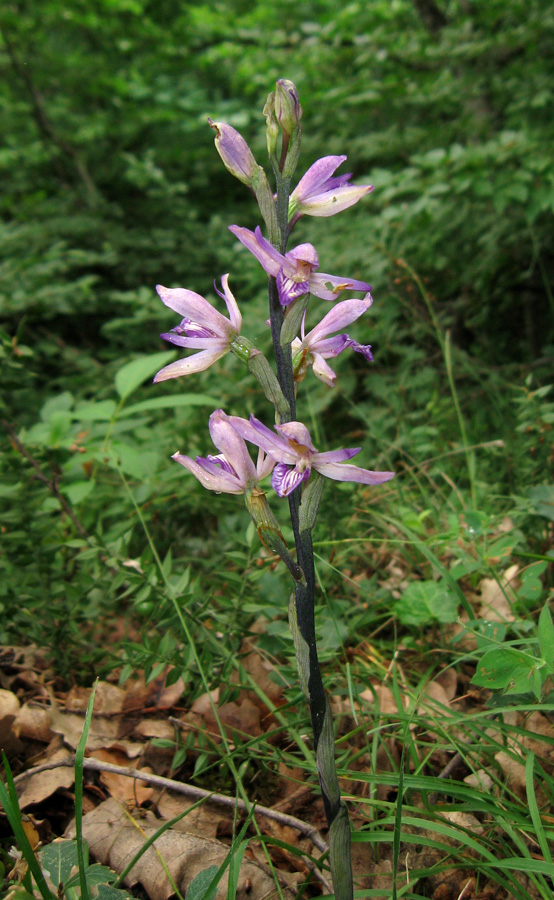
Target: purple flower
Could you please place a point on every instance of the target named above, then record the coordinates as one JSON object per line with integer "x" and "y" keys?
{"x": 231, "y": 471}
{"x": 202, "y": 328}
{"x": 296, "y": 456}
{"x": 235, "y": 153}
{"x": 319, "y": 193}
{"x": 317, "y": 346}
{"x": 295, "y": 272}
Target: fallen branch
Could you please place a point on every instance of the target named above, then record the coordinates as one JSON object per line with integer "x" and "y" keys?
{"x": 189, "y": 790}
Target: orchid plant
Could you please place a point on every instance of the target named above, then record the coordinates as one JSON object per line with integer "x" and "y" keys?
{"x": 286, "y": 453}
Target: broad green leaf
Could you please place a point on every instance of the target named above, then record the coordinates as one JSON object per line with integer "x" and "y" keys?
{"x": 134, "y": 373}
{"x": 95, "y": 874}
{"x": 58, "y": 403}
{"x": 426, "y": 601}
{"x": 542, "y": 500}
{"x": 197, "y": 890}
{"x": 505, "y": 668}
{"x": 168, "y": 402}
{"x": 78, "y": 491}
{"x": 133, "y": 461}
{"x": 95, "y": 412}
{"x": 58, "y": 859}
{"x": 107, "y": 892}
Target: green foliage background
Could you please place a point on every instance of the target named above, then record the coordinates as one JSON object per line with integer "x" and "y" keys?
{"x": 110, "y": 183}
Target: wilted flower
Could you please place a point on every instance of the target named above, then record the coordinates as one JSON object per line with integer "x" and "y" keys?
{"x": 295, "y": 272}
{"x": 296, "y": 456}
{"x": 235, "y": 153}
{"x": 315, "y": 347}
{"x": 232, "y": 470}
{"x": 320, "y": 193}
{"x": 202, "y": 328}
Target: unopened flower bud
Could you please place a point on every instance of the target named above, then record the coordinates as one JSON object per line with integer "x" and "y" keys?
{"x": 272, "y": 128}
{"x": 288, "y": 111}
{"x": 235, "y": 153}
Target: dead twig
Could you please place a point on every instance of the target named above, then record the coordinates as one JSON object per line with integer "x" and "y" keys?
{"x": 189, "y": 790}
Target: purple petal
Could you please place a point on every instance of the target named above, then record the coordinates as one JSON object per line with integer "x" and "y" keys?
{"x": 342, "y": 315}
{"x": 285, "y": 479}
{"x": 334, "y": 200}
{"x": 320, "y": 281}
{"x": 304, "y": 253}
{"x": 329, "y": 347}
{"x": 264, "y": 465}
{"x": 323, "y": 370}
{"x": 218, "y": 460}
{"x": 269, "y": 258}
{"x": 194, "y": 343}
{"x": 290, "y": 290}
{"x": 232, "y": 446}
{"x": 316, "y": 176}
{"x": 231, "y": 304}
{"x": 197, "y": 363}
{"x": 341, "y": 472}
{"x": 335, "y": 456}
{"x": 196, "y": 308}
{"x": 220, "y": 481}
{"x": 258, "y": 433}
{"x": 364, "y": 349}
{"x": 297, "y": 432}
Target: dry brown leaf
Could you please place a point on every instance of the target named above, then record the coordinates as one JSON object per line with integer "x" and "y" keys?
{"x": 9, "y": 708}
{"x": 42, "y": 785}
{"x": 495, "y": 606}
{"x": 128, "y": 790}
{"x": 203, "y": 703}
{"x": 103, "y": 732}
{"x": 109, "y": 699}
{"x": 9, "y": 704}
{"x": 114, "y": 838}
{"x": 382, "y": 697}
{"x": 448, "y": 679}
{"x": 513, "y": 769}
{"x": 481, "y": 780}
{"x": 155, "y": 728}
{"x": 203, "y": 821}
{"x": 260, "y": 669}
{"x": 540, "y": 726}
{"x": 33, "y": 722}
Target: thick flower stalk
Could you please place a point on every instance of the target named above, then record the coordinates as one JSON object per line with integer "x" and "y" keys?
{"x": 201, "y": 328}
{"x": 296, "y": 271}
